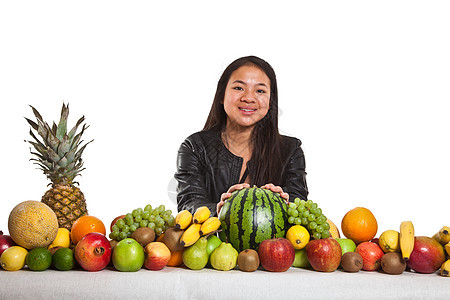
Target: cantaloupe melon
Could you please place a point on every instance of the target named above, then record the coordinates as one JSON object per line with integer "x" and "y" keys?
{"x": 32, "y": 224}
{"x": 334, "y": 231}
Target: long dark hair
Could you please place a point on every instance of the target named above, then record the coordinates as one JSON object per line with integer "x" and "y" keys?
{"x": 266, "y": 156}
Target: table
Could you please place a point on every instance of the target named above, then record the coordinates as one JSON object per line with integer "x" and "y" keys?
{"x": 182, "y": 283}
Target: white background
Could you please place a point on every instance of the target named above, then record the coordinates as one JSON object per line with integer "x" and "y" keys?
{"x": 364, "y": 85}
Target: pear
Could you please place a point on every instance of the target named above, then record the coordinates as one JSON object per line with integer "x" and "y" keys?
{"x": 195, "y": 256}
{"x": 224, "y": 257}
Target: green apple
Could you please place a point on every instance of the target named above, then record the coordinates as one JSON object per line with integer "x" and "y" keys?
{"x": 128, "y": 255}
{"x": 213, "y": 243}
{"x": 300, "y": 260}
{"x": 347, "y": 245}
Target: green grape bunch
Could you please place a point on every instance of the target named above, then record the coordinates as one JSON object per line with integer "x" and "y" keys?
{"x": 309, "y": 215}
{"x": 159, "y": 219}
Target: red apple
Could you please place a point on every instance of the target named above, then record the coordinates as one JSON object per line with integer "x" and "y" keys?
{"x": 157, "y": 255}
{"x": 115, "y": 220}
{"x": 371, "y": 254}
{"x": 427, "y": 256}
{"x": 93, "y": 252}
{"x": 324, "y": 255}
{"x": 276, "y": 255}
{"x": 5, "y": 242}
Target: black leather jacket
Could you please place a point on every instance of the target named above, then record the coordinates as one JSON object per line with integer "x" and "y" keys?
{"x": 206, "y": 169}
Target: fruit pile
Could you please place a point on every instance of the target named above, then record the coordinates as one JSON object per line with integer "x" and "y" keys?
{"x": 392, "y": 252}
{"x": 86, "y": 245}
{"x": 192, "y": 242}
{"x": 255, "y": 228}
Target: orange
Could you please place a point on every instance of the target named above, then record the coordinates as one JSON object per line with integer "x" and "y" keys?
{"x": 84, "y": 225}
{"x": 359, "y": 225}
{"x": 176, "y": 258}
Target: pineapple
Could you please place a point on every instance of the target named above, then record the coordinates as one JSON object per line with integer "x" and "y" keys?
{"x": 59, "y": 156}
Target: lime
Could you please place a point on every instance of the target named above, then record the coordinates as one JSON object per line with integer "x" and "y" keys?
{"x": 39, "y": 259}
{"x": 63, "y": 259}
{"x": 13, "y": 258}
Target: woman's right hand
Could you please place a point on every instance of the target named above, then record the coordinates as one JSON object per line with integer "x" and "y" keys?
{"x": 227, "y": 195}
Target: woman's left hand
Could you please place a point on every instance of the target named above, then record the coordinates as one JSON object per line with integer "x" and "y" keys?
{"x": 277, "y": 189}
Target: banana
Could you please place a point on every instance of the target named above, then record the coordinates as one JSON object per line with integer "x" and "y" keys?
{"x": 201, "y": 214}
{"x": 443, "y": 235}
{"x": 190, "y": 235}
{"x": 210, "y": 225}
{"x": 183, "y": 219}
{"x": 447, "y": 248}
{"x": 406, "y": 239}
{"x": 445, "y": 268}
{"x": 436, "y": 237}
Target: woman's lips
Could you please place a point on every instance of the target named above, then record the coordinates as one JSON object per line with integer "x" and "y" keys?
{"x": 247, "y": 110}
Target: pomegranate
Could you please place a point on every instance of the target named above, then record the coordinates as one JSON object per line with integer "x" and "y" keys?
{"x": 93, "y": 252}
{"x": 113, "y": 222}
{"x": 5, "y": 242}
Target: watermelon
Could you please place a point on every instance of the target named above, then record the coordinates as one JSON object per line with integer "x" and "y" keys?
{"x": 251, "y": 216}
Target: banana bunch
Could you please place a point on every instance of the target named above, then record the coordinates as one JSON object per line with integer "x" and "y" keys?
{"x": 406, "y": 239}
{"x": 445, "y": 268}
{"x": 195, "y": 226}
{"x": 443, "y": 235}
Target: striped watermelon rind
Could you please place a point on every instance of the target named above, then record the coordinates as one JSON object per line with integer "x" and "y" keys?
{"x": 251, "y": 216}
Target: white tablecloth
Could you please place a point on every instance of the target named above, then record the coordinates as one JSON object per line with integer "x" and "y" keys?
{"x": 181, "y": 283}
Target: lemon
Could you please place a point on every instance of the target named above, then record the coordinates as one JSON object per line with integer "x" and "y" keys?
{"x": 13, "y": 258}
{"x": 62, "y": 239}
{"x": 389, "y": 241}
{"x": 39, "y": 259}
{"x": 298, "y": 236}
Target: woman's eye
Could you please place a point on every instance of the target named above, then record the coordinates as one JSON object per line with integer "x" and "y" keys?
{"x": 238, "y": 88}
{"x": 261, "y": 91}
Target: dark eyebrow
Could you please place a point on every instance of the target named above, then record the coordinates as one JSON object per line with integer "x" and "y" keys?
{"x": 241, "y": 82}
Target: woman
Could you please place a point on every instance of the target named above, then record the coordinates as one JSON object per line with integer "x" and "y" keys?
{"x": 240, "y": 145}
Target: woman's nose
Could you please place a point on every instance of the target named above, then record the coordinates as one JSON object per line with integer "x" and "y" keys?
{"x": 248, "y": 96}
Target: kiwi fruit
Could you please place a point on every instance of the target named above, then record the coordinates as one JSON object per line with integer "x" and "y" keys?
{"x": 351, "y": 262}
{"x": 172, "y": 239}
{"x": 113, "y": 244}
{"x": 248, "y": 260}
{"x": 143, "y": 235}
{"x": 393, "y": 263}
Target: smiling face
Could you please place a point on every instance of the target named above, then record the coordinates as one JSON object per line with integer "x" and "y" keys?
{"x": 247, "y": 97}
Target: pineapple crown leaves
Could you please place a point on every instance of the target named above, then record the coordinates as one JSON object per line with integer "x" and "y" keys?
{"x": 58, "y": 154}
